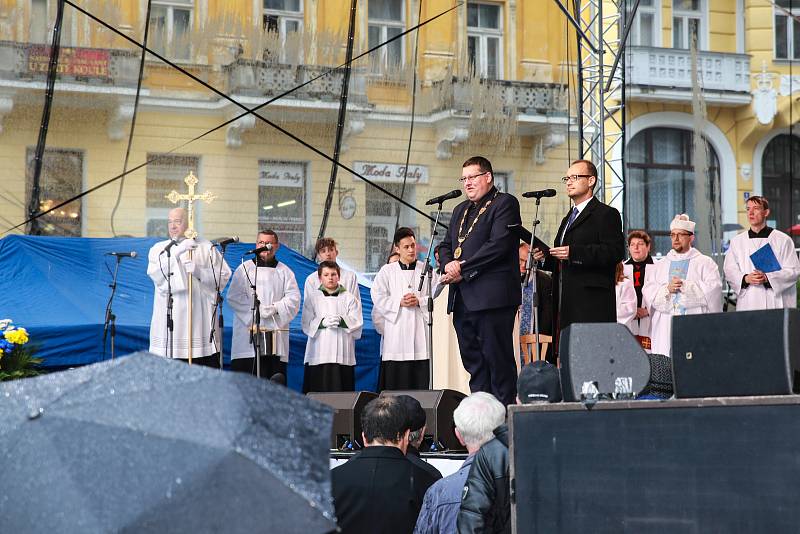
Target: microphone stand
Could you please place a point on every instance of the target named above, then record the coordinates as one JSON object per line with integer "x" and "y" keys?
{"x": 111, "y": 319}
{"x": 255, "y": 331}
{"x": 428, "y": 272}
{"x": 531, "y": 279}
{"x": 216, "y": 314}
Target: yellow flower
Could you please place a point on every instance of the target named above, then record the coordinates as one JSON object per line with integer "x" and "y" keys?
{"x": 18, "y": 336}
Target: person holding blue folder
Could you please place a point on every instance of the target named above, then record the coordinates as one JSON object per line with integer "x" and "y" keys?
{"x": 761, "y": 264}
{"x": 685, "y": 282}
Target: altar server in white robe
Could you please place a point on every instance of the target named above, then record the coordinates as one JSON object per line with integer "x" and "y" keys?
{"x": 404, "y": 355}
{"x": 626, "y": 297}
{"x": 685, "y": 282}
{"x": 327, "y": 250}
{"x": 205, "y": 266}
{"x": 332, "y": 321}
{"x": 757, "y": 290}
{"x": 377, "y": 318}
{"x": 279, "y": 299}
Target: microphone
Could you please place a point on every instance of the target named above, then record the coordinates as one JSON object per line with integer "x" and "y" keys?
{"x": 225, "y": 241}
{"x": 172, "y": 243}
{"x": 259, "y": 250}
{"x": 455, "y": 193}
{"x": 540, "y": 194}
{"x": 131, "y": 254}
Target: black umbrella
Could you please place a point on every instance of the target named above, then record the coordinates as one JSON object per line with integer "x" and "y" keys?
{"x": 143, "y": 443}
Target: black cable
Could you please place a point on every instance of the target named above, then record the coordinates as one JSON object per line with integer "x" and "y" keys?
{"x": 234, "y": 119}
{"x": 38, "y": 160}
{"x": 133, "y": 120}
{"x": 413, "y": 117}
{"x": 337, "y": 146}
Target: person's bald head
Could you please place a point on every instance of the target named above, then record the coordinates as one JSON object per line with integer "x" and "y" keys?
{"x": 177, "y": 223}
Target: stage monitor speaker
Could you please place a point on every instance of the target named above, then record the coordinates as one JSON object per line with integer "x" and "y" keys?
{"x": 439, "y": 405}
{"x": 600, "y": 352}
{"x": 347, "y": 407}
{"x": 736, "y": 354}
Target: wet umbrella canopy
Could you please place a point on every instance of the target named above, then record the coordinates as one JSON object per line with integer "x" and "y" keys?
{"x": 147, "y": 444}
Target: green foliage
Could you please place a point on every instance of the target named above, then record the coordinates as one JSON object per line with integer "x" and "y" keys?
{"x": 21, "y": 362}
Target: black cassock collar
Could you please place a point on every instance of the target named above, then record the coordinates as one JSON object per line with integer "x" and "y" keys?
{"x": 764, "y": 232}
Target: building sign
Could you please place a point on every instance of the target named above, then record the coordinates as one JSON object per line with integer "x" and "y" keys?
{"x": 282, "y": 174}
{"x": 85, "y": 62}
{"x": 391, "y": 172}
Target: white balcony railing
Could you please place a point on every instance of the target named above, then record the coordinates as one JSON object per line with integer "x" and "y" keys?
{"x": 727, "y": 75}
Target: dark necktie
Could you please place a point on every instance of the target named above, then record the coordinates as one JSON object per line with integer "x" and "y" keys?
{"x": 572, "y": 216}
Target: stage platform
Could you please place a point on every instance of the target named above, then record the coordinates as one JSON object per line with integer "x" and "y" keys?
{"x": 446, "y": 463}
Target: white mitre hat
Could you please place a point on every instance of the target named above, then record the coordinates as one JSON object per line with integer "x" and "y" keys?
{"x": 682, "y": 222}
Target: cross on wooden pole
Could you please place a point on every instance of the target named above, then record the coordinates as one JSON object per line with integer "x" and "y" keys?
{"x": 191, "y": 181}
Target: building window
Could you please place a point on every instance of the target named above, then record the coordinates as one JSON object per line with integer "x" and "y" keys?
{"x": 787, "y": 29}
{"x": 644, "y": 27}
{"x": 688, "y": 22}
{"x": 780, "y": 168}
{"x": 61, "y": 179}
{"x": 502, "y": 181}
{"x": 660, "y": 181}
{"x": 485, "y": 40}
{"x": 38, "y": 29}
{"x": 386, "y": 20}
{"x": 164, "y": 175}
{"x": 284, "y": 19}
{"x": 282, "y": 201}
{"x": 171, "y": 27}
{"x": 381, "y": 217}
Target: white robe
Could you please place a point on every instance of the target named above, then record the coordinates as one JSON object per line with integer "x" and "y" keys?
{"x": 404, "y": 328}
{"x": 626, "y": 302}
{"x": 701, "y": 293}
{"x": 347, "y": 279}
{"x": 277, "y": 287}
{"x": 640, "y": 327}
{"x": 208, "y": 261}
{"x": 331, "y": 345}
{"x": 783, "y": 293}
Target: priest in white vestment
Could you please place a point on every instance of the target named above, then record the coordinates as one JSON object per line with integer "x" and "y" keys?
{"x": 279, "y": 302}
{"x": 756, "y": 289}
{"x": 169, "y": 267}
{"x": 332, "y": 320}
{"x": 402, "y": 309}
{"x": 685, "y": 282}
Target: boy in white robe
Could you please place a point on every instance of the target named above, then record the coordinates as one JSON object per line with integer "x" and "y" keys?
{"x": 332, "y": 321}
{"x": 279, "y": 302}
{"x": 757, "y": 290}
{"x": 404, "y": 354}
{"x": 206, "y": 264}
{"x": 327, "y": 250}
{"x": 685, "y": 282}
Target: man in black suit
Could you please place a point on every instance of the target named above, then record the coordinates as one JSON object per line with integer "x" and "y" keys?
{"x": 379, "y": 489}
{"x": 588, "y": 246}
{"x": 479, "y": 255}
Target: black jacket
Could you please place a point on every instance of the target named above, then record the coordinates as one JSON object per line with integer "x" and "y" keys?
{"x": 413, "y": 456}
{"x": 486, "y": 504}
{"x": 379, "y": 490}
{"x": 490, "y": 254}
{"x": 587, "y": 284}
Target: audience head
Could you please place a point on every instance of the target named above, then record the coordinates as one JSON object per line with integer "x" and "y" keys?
{"x": 476, "y": 418}
{"x": 384, "y": 421}
{"x": 416, "y": 419}
{"x": 524, "y": 248}
{"x": 539, "y": 382}
{"x": 638, "y": 245}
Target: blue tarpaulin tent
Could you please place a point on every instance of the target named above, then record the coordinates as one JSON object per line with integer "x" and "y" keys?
{"x": 58, "y": 287}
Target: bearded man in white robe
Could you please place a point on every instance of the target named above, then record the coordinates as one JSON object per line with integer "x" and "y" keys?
{"x": 685, "y": 282}
{"x": 170, "y": 268}
{"x": 756, "y": 289}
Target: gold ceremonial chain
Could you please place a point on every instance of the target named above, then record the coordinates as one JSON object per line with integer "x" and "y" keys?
{"x": 457, "y": 251}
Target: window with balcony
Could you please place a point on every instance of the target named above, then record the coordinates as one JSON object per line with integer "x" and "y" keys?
{"x": 787, "y": 29}
{"x": 170, "y": 28}
{"x": 61, "y": 179}
{"x": 688, "y": 23}
{"x": 284, "y": 18}
{"x": 386, "y": 20}
{"x": 645, "y": 27}
{"x": 164, "y": 175}
{"x": 660, "y": 181}
{"x": 282, "y": 201}
{"x": 485, "y": 40}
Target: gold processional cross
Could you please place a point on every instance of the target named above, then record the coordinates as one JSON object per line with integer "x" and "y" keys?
{"x": 190, "y": 233}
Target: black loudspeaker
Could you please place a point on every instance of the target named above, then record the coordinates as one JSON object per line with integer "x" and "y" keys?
{"x": 600, "y": 352}
{"x": 439, "y": 405}
{"x": 734, "y": 354}
{"x": 347, "y": 407}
